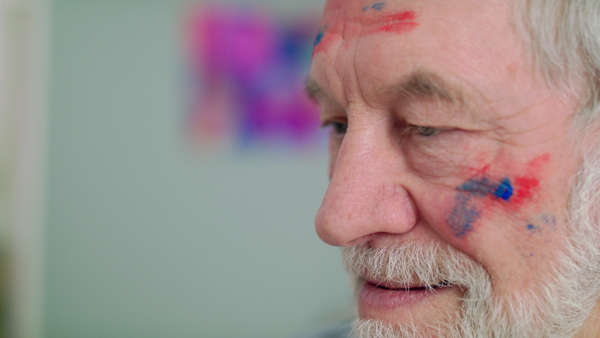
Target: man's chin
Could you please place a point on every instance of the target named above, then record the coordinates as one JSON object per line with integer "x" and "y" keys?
{"x": 415, "y": 306}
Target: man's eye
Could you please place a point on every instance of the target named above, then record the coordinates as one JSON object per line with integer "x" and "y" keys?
{"x": 338, "y": 128}
{"x": 423, "y": 131}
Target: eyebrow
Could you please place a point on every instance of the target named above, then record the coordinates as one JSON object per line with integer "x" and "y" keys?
{"x": 312, "y": 89}
{"x": 429, "y": 85}
{"x": 418, "y": 84}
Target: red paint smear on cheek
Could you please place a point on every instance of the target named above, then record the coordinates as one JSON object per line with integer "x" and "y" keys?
{"x": 528, "y": 185}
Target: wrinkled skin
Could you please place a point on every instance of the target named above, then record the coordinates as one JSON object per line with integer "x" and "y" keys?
{"x": 393, "y": 181}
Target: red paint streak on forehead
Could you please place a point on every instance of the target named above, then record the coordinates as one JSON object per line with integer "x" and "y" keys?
{"x": 370, "y": 23}
{"x": 326, "y": 40}
{"x": 398, "y": 22}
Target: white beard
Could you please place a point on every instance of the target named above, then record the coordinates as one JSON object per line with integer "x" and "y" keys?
{"x": 557, "y": 307}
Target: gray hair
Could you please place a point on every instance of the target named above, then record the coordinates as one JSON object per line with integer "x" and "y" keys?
{"x": 564, "y": 37}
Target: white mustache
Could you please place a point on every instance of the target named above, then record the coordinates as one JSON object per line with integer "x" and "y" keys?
{"x": 411, "y": 264}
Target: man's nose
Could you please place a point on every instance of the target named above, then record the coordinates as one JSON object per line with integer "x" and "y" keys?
{"x": 367, "y": 193}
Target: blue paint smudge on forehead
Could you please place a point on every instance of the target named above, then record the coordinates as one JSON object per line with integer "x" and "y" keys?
{"x": 319, "y": 37}
{"x": 378, "y": 7}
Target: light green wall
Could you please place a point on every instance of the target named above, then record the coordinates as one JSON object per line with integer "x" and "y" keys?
{"x": 147, "y": 237}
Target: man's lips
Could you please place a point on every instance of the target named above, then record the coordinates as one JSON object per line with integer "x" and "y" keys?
{"x": 375, "y": 297}
{"x": 408, "y": 287}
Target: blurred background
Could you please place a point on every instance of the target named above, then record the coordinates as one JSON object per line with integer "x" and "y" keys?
{"x": 160, "y": 169}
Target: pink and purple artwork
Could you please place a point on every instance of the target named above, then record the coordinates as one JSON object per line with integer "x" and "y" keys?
{"x": 247, "y": 71}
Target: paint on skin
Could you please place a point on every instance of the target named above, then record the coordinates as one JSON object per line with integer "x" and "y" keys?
{"x": 485, "y": 187}
{"x": 504, "y": 190}
{"x": 323, "y": 40}
{"x": 319, "y": 37}
{"x": 549, "y": 220}
{"x": 378, "y": 7}
{"x": 396, "y": 22}
{"x": 527, "y": 185}
{"x": 542, "y": 222}
{"x": 464, "y": 215}
{"x": 465, "y": 212}
{"x": 480, "y": 187}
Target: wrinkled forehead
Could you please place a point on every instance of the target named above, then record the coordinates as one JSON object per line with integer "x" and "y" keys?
{"x": 369, "y": 16}
{"x": 450, "y": 12}
{"x": 377, "y": 43}
{"x": 353, "y": 9}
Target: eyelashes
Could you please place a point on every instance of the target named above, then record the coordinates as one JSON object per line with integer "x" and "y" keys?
{"x": 422, "y": 131}
{"x": 340, "y": 128}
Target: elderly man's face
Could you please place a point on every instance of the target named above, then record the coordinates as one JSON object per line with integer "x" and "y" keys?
{"x": 442, "y": 135}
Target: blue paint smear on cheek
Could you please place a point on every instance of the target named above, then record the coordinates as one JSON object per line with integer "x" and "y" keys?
{"x": 484, "y": 187}
{"x": 319, "y": 37}
{"x": 465, "y": 212}
{"x": 504, "y": 190}
{"x": 480, "y": 186}
{"x": 463, "y": 215}
{"x": 533, "y": 229}
{"x": 549, "y": 220}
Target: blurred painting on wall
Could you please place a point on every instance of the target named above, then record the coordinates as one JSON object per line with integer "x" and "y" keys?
{"x": 246, "y": 77}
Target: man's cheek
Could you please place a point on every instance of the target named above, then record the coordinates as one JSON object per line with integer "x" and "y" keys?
{"x": 475, "y": 198}
{"x": 442, "y": 164}
{"x": 451, "y": 155}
